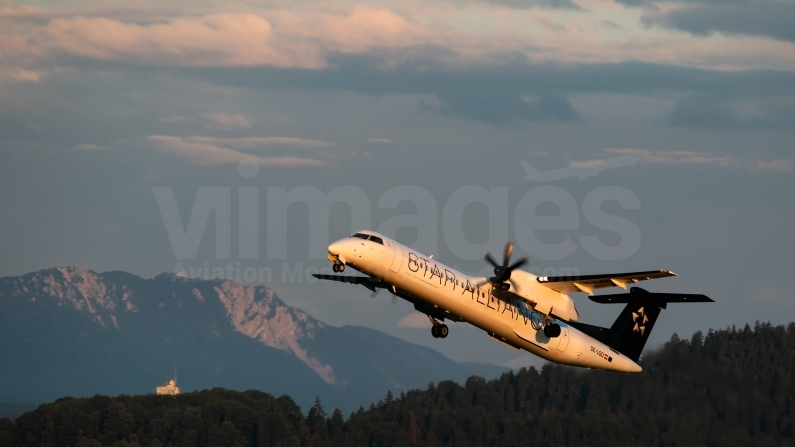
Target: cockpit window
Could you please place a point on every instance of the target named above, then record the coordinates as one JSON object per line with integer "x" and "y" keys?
{"x": 361, "y": 236}
{"x": 377, "y": 240}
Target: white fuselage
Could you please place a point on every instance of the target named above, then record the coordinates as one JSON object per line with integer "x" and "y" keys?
{"x": 503, "y": 316}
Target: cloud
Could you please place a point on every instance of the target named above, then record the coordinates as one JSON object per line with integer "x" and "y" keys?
{"x": 539, "y": 92}
{"x": 701, "y": 111}
{"x": 676, "y": 157}
{"x": 27, "y": 75}
{"x": 226, "y": 121}
{"x": 502, "y": 108}
{"x": 513, "y": 85}
{"x": 261, "y": 142}
{"x": 274, "y": 35}
{"x": 207, "y": 154}
{"x": 498, "y": 76}
{"x": 703, "y": 158}
{"x": 89, "y": 147}
{"x": 414, "y": 321}
{"x": 278, "y": 38}
{"x": 769, "y": 18}
{"x": 210, "y": 40}
{"x": 775, "y": 165}
{"x": 527, "y": 4}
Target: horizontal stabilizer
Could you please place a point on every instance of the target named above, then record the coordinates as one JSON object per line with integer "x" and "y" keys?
{"x": 637, "y": 294}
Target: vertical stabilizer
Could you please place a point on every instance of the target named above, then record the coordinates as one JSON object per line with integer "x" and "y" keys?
{"x": 631, "y": 330}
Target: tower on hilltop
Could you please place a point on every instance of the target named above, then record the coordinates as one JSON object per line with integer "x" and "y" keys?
{"x": 170, "y": 388}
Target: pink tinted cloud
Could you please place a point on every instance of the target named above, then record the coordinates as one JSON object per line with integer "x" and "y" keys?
{"x": 211, "y": 40}
{"x": 365, "y": 28}
{"x": 298, "y": 36}
{"x": 208, "y": 154}
{"x": 680, "y": 157}
{"x": 280, "y": 39}
{"x": 414, "y": 321}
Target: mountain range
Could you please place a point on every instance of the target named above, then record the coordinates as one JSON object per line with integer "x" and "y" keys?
{"x": 69, "y": 331}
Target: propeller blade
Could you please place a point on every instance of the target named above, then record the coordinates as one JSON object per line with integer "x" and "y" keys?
{"x": 518, "y": 263}
{"x": 491, "y": 260}
{"x": 375, "y": 292}
{"x": 394, "y": 299}
{"x": 508, "y": 252}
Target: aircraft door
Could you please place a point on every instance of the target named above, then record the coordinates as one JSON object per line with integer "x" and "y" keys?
{"x": 397, "y": 260}
{"x": 564, "y": 338}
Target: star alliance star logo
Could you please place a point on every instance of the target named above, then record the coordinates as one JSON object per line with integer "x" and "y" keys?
{"x": 640, "y": 320}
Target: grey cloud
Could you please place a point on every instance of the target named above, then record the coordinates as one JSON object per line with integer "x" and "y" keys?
{"x": 634, "y": 2}
{"x": 503, "y": 109}
{"x": 709, "y": 112}
{"x": 778, "y": 115}
{"x": 699, "y": 111}
{"x": 488, "y": 94}
{"x": 527, "y": 4}
{"x": 495, "y": 95}
{"x": 706, "y": 2}
{"x": 769, "y": 18}
{"x": 513, "y": 81}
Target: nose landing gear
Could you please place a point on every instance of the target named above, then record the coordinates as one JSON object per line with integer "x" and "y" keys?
{"x": 338, "y": 267}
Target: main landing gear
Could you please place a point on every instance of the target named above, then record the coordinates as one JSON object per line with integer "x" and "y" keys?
{"x": 338, "y": 267}
{"x": 552, "y": 330}
{"x": 438, "y": 330}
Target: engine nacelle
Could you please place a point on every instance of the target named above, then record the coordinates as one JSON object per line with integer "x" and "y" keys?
{"x": 547, "y": 301}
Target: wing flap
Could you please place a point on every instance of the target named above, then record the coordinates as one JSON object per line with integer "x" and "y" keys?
{"x": 589, "y": 283}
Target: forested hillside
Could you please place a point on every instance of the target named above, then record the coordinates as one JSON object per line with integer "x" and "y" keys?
{"x": 730, "y": 387}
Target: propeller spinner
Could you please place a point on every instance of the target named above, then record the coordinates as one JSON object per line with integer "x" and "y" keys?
{"x": 502, "y": 273}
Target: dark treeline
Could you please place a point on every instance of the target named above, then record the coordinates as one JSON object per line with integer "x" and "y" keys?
{"x": 730, "y": 387}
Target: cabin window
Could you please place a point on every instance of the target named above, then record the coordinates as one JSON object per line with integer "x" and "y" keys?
{"x": 377, "y": 240}
{"x": 361, "y": 236}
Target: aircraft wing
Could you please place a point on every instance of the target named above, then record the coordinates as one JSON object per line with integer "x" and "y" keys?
{"x": 589, "y": 283}
{"x": 370, "y": 283}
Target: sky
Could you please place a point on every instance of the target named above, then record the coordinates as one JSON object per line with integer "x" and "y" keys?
{"x": 153, "y": 137}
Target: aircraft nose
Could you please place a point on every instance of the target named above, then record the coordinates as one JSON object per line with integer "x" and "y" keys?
{"x": 335, "y": 248}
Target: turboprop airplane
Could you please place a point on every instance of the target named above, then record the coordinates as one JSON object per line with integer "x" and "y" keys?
{"x": 516, "y": 308}
{"x": 581, "y": 169}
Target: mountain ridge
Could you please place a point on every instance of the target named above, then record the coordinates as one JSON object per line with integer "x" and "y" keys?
{"x": 115, "y": 332}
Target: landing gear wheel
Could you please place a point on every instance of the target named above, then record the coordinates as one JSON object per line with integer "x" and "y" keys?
{"x": 442, "y": 330}
{"x": 552, "y": 330}
{"x": 339, "y": 268}
{"x": 434, "y": 331}
{"x": 505, "y": 286}
{"x": 335, "y": 267}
